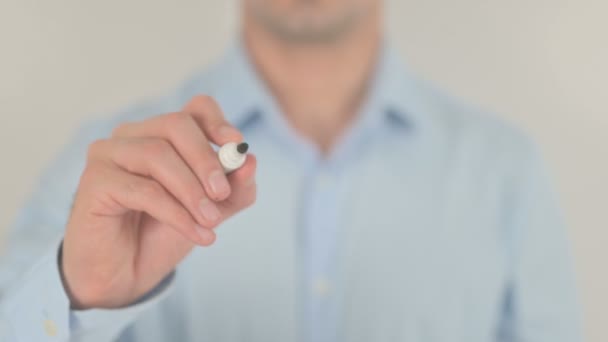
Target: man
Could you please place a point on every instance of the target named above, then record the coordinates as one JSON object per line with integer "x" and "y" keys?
{"x": 386, "y": 210}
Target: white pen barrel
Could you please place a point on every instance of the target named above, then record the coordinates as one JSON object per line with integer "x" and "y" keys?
{"x": 232, "y": 156}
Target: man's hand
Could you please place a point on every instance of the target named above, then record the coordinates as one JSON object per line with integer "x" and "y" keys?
{"x": 148, "y": 195}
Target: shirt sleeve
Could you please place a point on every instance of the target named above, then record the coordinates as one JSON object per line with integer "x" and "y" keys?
{"x": 542, "y": 301}
{"x": 37, "y": 308}
{"x": 107, "y": 324}
{"x": 33, "y": 303}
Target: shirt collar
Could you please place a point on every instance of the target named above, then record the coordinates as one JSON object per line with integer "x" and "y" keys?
{"x": 244, "y": 97}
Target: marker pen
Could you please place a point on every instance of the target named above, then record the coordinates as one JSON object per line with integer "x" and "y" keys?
{"x": 232, "y": 155}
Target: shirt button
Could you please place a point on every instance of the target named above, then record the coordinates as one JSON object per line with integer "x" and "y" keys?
{"x": 50, "y": 328}
{"x": 321, "y": 287}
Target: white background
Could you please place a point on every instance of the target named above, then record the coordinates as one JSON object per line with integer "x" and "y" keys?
{"x": 538, "y": 63}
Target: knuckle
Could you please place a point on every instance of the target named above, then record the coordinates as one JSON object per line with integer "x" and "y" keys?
{"x": 176, "y": 119}
{"x": 95, "y": 148}
{"x": 94, "y": 168}
{"x": 207, "y": 106}
{"x": 89, "y": 174}
{"x": 177, "y": 124}
{"x": 95, "y": 178}
{"x": 121, "y": 129}
{"x": 156, "y": 148}
{"x": 143, "y": 189}
{"x": 203, "y": 100}
{"x": 182, "y": 217}
{"x": 150, "y": 190}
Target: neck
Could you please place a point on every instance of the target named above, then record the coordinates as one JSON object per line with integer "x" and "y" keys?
{"x": 319, "y": 86}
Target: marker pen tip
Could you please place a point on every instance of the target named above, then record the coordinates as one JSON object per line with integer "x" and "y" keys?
{"x": 242, "y": 148}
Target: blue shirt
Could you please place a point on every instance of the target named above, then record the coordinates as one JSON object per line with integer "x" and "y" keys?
{"x": 428, "y": 221}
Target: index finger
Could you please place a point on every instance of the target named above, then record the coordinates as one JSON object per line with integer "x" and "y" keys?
{"x": 210, "y": 118}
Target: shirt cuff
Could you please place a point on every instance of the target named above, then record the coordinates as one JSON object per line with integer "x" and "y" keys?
{"x": 106, "y": 324}
{"x": 37, "y": 308}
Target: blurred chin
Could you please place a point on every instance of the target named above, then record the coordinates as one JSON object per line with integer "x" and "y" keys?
{"x": 308, "y": 21}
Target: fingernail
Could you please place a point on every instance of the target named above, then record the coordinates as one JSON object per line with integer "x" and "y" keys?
{"x": 218, "y": 183}
{"x": 205, "y": 234}
{"x": 209, "y": 211}
{"x": 228, "y": 132}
